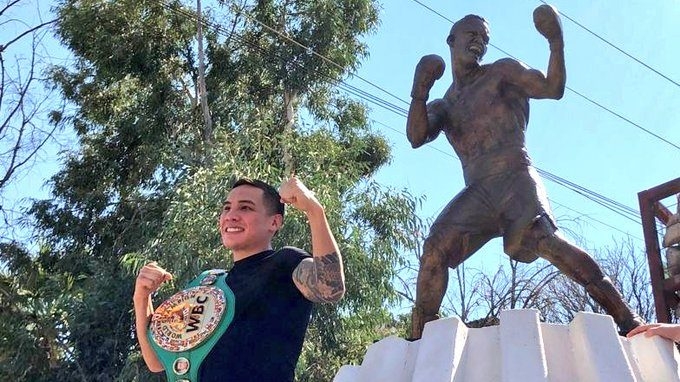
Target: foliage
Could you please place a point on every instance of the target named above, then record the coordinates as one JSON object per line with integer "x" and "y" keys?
{"x": 147, "y": 178}
{"x": 34, "y": 305}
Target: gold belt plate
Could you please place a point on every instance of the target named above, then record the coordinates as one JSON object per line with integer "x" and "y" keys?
{"x": 188, "y": 318}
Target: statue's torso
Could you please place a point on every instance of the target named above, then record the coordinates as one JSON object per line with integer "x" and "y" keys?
{"x": 486, "y": 115}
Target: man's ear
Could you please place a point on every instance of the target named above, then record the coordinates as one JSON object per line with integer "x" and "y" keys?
{"x": 277, "y": 222}
{"x": 449, "y": 40}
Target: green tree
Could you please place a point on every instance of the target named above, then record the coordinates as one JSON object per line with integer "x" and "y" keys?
{"x": 147, "y": 178}
{"x": 34, "y": 306}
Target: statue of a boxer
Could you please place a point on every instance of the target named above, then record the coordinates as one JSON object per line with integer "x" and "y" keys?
{"x": 484, "y": 115}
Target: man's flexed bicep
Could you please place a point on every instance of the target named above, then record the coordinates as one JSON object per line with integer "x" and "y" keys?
{"x": 320, "y": 278}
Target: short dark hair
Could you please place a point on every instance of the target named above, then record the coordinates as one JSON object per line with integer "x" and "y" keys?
{"x": 467, "y": 18}
{"x": 271, "y": 197}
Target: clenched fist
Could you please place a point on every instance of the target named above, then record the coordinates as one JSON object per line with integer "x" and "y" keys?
{"x": 429, "y": 69}
{"x": 295, "y": 193}
{"x": 149, "y": 279}
{"x": 547, "y": 23}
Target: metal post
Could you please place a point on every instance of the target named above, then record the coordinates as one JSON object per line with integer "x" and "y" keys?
{"x": 649, "y": 200}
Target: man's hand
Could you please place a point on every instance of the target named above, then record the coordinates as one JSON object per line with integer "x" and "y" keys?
{"x": 149, "y": 279}
{"x": 429, "y": 69}
{"x": 295, "y": 193}
{"x": 669, "y": 331}
{"x": 547, "y": 22}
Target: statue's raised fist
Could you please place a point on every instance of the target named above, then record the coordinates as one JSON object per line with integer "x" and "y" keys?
{"x": 547, "y": 22}
{"x": 429, "y": 69}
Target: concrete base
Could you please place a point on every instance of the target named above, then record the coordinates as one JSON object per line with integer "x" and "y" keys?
{"x": 520, "y": 349}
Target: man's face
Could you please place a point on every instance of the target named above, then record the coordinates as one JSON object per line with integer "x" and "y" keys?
{"x": 246, "y": 225}
{"x": 470, "y": 40}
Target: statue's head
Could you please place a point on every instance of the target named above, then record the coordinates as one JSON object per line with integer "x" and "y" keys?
{"x": 469, "y": 35}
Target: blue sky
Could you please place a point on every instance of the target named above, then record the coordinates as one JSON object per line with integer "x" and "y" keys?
{"x": 571, "y": 138}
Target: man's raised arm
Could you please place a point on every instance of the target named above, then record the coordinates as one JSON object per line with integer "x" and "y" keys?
{"x": 322, "y": 277}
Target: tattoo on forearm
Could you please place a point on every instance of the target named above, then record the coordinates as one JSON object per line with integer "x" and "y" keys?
{"x": 320, "y": 278}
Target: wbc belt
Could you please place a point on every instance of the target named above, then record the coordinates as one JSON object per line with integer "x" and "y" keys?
{"x": 186, "y": 326}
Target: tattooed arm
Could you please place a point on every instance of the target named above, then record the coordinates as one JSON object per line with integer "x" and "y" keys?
{"x": 321, "y": 278}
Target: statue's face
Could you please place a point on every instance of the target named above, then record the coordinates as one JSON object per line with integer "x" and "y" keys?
{"x": 469, "y": 40}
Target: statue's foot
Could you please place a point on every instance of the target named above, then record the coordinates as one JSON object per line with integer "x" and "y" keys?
{"x": 630, "y": 324}
{"x": 605, "y": 293}
{"x": 418, "y": 321}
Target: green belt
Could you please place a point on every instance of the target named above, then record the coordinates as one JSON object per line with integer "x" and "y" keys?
{"x": 186, "y": 326}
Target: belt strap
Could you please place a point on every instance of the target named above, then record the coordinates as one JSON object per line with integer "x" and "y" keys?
{"x": 186, "y": 326}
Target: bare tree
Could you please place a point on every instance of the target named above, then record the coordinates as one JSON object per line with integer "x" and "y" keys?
{"x": 26, "y": 125}
{"x": 478, "y": 296}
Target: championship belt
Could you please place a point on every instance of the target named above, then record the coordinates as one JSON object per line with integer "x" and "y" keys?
{"x": 186, "y": 326}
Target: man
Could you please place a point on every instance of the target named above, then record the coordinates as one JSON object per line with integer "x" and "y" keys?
{"x": 274, "y": 290}
{"x": 484, "y": 115}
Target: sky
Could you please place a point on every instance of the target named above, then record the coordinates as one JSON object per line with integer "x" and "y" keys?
{"x": 571, "y": 138}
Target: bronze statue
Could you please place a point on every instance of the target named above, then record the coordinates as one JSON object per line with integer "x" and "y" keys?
{"x": 484, "y": 115}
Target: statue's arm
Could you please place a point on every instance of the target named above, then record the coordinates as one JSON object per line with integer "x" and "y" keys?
{"x": 534, "y": 83}
{"x": 424, "y": 120}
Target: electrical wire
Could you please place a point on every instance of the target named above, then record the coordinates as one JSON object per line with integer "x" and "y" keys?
{"x": 598, "y": 104}
{"x": 608, "y": 203}
{"x": 615, "y": 47}
{"x": 596, "y": 220}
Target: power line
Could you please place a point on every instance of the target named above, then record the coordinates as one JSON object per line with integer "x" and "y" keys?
{"x": 328, "y": 60}
{"x": 624, "y": 118}
{"x": 591, "y": 195}
{"x": 373, "y": 99}
{"x": 615, "y": 47}
{"x": 340, "y": 83}
{"x": 616, "y": 114}
{"x": 604, "y": 201}
{"x": 596, "y": 220}
{"x": 608, "y": 203}
{"x": 552, "y": 201}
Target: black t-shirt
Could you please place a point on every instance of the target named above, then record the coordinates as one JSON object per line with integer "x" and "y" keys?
{"x": 264, "y": 341}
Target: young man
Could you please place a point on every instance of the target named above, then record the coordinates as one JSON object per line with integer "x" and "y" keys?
{"x": 484, "y": 115}
{"x": 274, "y": 290}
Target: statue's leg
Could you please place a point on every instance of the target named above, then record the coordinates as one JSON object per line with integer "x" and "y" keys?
{"x": 463, "y": 226}
{"x": 433, "y": 278}
{"x": 440, "y": 251}
{"x": 579, "y": 266}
